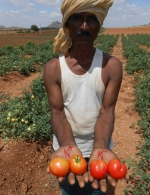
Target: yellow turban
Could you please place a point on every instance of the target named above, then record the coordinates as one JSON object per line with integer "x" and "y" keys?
{"x": 97, "y": 7}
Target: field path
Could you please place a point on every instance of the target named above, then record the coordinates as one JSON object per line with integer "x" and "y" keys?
{"x": 124, "y": 136}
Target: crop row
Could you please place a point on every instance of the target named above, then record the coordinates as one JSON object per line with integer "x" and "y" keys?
{"x": 138, "y": 63}
{"x": 24, "y": 59}
{"x": 138, "y": 59}
{"x": 26, "y": 117}
{"x": 140, "y": 39}
{"x": 106, "y": 42}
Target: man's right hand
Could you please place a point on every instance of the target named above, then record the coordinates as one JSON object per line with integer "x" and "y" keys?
{"x": 66, "y": 152}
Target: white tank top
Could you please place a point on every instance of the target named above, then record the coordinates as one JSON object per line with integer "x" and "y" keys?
{"x": 82, "y": 96}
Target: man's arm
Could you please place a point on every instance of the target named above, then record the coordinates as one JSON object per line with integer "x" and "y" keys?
{"x": 60, "y": 126}
{"x": 105, "y": 122}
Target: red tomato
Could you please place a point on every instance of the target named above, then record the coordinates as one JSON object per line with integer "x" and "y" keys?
{"x": 59, "y": 166}
{"x": 117, "y": 169}
{"x": 77, "y": 164}
{"x": 98, "y": 169}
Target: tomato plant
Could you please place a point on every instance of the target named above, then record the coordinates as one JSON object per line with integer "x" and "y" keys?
{"x": 98, "y": 169}
{"x": 77, "y": 164}
{"x": 59, "y": 166}
{"x": 116, "y": 169}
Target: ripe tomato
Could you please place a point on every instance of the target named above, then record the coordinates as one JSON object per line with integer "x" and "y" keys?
{"x": 98, "y": 169}
{"x": 77, "y": 164}
{"x": 117, "y": 169}
{"x": 59, "y": 166}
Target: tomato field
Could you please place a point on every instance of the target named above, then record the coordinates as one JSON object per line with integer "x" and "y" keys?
{"x": 26, "y": 137}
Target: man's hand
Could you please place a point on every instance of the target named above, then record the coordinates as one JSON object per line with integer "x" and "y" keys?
{"x": 106, "y": 155}
{"x": 66, "y": 152}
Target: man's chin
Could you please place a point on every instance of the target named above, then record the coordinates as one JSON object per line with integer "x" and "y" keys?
{"x": 83, "y": 42}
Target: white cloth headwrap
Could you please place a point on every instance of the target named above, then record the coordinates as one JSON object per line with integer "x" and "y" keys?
{"x": 97, "y": 7}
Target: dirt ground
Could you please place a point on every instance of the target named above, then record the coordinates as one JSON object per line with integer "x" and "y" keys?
{"x": 14, "y": 83}
{"x": 14, "y": 33}
{"x": 23, "y": 164}
{"x": 128, "y": 30}
{"x": 15, "y": 39}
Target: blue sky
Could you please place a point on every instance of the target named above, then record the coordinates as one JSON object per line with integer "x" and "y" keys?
{"x": 24, "y": 13}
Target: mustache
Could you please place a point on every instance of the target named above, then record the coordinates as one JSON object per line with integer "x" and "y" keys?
{"x": 84, "y": 33}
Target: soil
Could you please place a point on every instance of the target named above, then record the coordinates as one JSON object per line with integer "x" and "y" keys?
{"x": 15, "y": 39}
{"x": 14, "y": 84}
{"x": 128, "y": 30}
{"x": 23, "y": 164}
{"x": 145, "y": 47}
{"x": 15, "y": 33}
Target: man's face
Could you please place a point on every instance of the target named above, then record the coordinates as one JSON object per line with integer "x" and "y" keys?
{"x": 83, "y": 27}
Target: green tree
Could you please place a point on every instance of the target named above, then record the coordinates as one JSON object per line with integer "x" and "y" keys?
{"x": 34, "y": 28}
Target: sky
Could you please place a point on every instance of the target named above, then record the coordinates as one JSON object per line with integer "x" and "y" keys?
{"x": 24, "y": 13}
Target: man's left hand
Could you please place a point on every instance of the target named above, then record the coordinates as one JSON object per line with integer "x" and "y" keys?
{"x": 106, "y": 155}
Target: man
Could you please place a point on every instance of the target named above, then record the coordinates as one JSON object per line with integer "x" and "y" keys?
{"x": 82, "y": 87}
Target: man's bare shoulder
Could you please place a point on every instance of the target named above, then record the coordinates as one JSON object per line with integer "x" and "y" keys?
{"x": 52, "y": 65}
{"x": 111, "y": 61}
{"x": 113, "y": 66}
{"x": 52, "y": 71}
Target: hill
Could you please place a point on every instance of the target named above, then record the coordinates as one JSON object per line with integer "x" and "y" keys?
{"x": 55, "y": 24}
{"x": 14, "y": 27}
{"x": 2, "y": 27}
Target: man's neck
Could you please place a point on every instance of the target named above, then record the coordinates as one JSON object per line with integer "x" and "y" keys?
{"x": 79, "y": 60}
{"x": 81, "y": 54}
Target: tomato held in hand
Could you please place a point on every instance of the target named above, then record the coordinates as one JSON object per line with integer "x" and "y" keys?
{"x": 98, "y": 169}
{"x": 77, "y": 164}
{"x": 117, "y": 169}
{"x": 59, "y": 166}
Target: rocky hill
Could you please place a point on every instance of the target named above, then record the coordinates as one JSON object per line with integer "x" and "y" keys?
{"x": 9, "y": 28}
{"x": 55, "y": 24}
{"x": 2, "y": 27}
{"x": 14, "y": 27}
